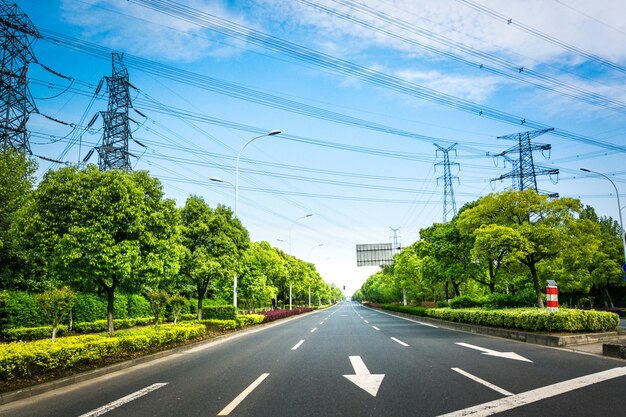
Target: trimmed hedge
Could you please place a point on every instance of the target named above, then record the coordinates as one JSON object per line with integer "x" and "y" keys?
{"x": 250, "y": 319}
{"x": 496, "y": 301}
{"x": 272, "y": 315}
{"x": 221, "y": 312}
{"x": 413, "y": 310}
{"x": 28, "y": 359}
{"x": 32, "y": 333}
{"x": 536, "y": 320}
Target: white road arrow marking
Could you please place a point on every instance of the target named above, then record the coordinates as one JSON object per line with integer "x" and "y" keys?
{"x": 362, "y": 378}
{"x": 506, "y": 355}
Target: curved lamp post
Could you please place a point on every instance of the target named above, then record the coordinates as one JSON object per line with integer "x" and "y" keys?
{"x": 290, "y": 229}
{"x": 270, "y": 133}
{"x": 619, "y": 208}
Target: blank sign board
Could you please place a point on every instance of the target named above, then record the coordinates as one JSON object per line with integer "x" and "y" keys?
{"x": 374, "y": 254}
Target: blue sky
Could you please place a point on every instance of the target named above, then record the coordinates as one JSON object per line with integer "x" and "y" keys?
{"x": 361, "y": 91}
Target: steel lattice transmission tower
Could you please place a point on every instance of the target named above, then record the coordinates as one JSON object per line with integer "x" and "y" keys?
{"x": 449, "y": 204}
{"x": 524, "y": 172}
{"x": 114, "y": 150}
{"x": 17, "y": 34}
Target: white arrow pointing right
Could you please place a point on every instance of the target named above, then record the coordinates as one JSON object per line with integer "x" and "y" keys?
{"x": 362, "y": 378}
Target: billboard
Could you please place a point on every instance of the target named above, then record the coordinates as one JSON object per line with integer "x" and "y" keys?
{"x": 374, "y": 254}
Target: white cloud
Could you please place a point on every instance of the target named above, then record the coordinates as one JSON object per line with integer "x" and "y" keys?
{"x": 128, "y": 27}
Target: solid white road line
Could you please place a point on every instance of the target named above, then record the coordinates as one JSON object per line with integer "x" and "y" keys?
{"x": 399, "y": 341}
{"x": 314, "y": 329}
{"x": 483, "y": 382}
{"x": 519, "y": 400}
{"x": 376, "y": 328}
{"x": 239, "y": 399}
{"x": 297, "y": 345}
{"x": 118, "y": 403}
{"x": 408, "y": 319}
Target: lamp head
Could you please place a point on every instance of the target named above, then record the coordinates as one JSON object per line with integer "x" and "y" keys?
{"x": 585, "y": 170}
{"x": 274, "y": 132}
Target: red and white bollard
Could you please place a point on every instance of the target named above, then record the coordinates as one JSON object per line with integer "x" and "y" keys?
{"x": 552, "y": 297}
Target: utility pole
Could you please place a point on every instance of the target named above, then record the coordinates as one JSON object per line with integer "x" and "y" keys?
{"x": 17, "y": 34}
{"x": 449, "y": 204}
{"x": 114, "y": 150}
{"x": 396, "y": 249}
{"x": 524, "y": 172}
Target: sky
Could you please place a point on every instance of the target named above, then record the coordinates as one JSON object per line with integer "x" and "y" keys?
{"x": 362, "y": 92}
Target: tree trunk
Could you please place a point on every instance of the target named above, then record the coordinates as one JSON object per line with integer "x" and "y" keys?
{"x": 200, "y": 307}
{"x": 608, "y": 296}
{"x": 538, "y": 288}
{"x": 110, "y": 300}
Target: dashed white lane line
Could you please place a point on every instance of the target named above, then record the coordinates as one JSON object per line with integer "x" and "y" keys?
{"x": 321, "y": 322}
{"x": 314, "y": 329}
{"x": 519, "y": 400}
{"x": 366, "y": 321}
{"x": 118, "y": 403}
{"x": 297, "y": 345}
{"x": 483, "y": 382}
{"x": 399, "y": 341}
{"x": 239, "y": 399}
{"x": 375, "y": 328}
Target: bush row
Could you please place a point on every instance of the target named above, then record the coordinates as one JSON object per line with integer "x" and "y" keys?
{"x": 44, "y": 332}
{"x": 272, "y": 315}
{"x": 413, "y": 310}
{"x": 532, "y": 319}
{"x": 20, "y": 310}
{"x": 496, "y": 300}
{"x": 28, "y": 359}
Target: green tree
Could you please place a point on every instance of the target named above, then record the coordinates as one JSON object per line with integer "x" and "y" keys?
{"x": 177, "y": 303}
{"x": 56, "y": 303}
{"x": 18, "y": 269}
{"x": 214, "y": 241}
{"x": 449, "y": 253}
{"x": 158, "y": 300}
{"x": 103, "y": 231}
{"x": 544, "y": 226}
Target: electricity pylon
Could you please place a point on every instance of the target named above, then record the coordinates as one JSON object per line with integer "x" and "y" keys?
{"x": 449, "y": 204}
{"x": 17, "y": 34}
{"x": 113, "y": 154}
{"x": 524, "y": 173}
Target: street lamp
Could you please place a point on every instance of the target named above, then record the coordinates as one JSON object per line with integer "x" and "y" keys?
{"x": 619, "y": 208}
{"x": 270, "y": 133}
{"x": 290, "y": 229}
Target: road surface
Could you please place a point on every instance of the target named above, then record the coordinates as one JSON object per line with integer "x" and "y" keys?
{"x": 349, "y": 361}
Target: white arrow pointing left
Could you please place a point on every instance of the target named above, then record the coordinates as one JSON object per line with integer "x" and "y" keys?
{"x": 507, "y": 355}
{"x": 362, "y": 378}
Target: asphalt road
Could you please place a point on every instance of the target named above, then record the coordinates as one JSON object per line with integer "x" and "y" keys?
{"x": 350, "y": 361}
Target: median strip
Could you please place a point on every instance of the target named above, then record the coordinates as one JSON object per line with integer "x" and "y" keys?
{"x": 118, "y": 403}
{"x": 239, "y": 399}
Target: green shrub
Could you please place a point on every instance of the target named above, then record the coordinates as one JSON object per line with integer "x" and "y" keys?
{"x": 220, "y": 312}
{"x": 21, "y": 310}
{"x": 120, "y": 306}
{"x": 218, "y": 325}
{"x": 413, "y": 310}
{"x": 443, "y": 304}
{"x": 138, "y": 306}
{"x": 250, "y": 319}
{"x": 532, "y": 319}
{"x": 89, "y": 308}
{"x": 465, "y": 301}
{"x": 32, "y": 333}
{"x": 28, "y": 359}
